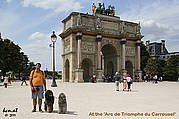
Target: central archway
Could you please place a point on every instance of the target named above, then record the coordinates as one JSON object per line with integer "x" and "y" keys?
{"x": 129, "y": 68}
{"x": 88, "y": 69}
{"x": 110, "y": 59}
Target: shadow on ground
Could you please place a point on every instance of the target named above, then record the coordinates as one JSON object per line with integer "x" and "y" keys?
{"x": 68, "y": 112}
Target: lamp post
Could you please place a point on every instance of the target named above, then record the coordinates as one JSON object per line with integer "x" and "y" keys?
{"x": 53, "y": 39}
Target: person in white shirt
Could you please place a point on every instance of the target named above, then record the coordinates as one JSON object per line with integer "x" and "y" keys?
{"x": 129, "y": 82}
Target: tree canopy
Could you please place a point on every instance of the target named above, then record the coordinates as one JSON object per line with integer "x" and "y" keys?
{"x": 12, "y": 58}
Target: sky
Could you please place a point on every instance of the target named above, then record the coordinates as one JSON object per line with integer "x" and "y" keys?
{"x": 29, "y": 23}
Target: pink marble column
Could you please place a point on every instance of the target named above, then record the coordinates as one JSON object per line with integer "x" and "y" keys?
{"x": 138, "y": 55}
{"x": 123, "y": 42}
{"x": 79, "y": 37}
{"x": 99, "y": 38}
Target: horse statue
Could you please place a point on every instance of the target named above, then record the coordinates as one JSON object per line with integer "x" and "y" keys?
{"x": 109, "y": 10}
{"x": 98, "y": 10}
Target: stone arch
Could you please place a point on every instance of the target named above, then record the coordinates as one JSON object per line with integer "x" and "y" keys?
{"x": 109, "y": 53}
{"x": 129, "y": 68}
{"x": 110, "y": 68}
{"x": 67, "y": 70}
{"x": 87, "y": 66}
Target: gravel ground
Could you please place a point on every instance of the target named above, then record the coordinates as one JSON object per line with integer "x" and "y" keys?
{"x": 96, "y": 101}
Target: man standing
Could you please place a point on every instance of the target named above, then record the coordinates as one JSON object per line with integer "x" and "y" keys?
{"x": 37, "y": 80}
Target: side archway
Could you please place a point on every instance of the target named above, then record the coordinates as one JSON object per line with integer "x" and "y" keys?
{"x": 67, "y": 70}
{"x": 87, "y": 66}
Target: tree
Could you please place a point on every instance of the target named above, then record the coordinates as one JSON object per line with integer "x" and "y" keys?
{"x": 161, "y": 67}
{"x": 144, "y": 56}
{"x": 9, "y": 56}
{"x": 172, "y": 68}
{"x": 151, "y": 66}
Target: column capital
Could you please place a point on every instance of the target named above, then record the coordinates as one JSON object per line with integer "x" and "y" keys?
{"x": 123, "y": 41}
{"x": 138, "y": 43}
{"x": 98, "y": 38}
{"x": 78, "y": 36}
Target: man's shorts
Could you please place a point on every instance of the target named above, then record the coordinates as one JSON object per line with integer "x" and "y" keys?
{"x": 38, "y": 93}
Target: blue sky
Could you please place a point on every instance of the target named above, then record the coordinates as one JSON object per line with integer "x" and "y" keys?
{"x": 29, "y": 23}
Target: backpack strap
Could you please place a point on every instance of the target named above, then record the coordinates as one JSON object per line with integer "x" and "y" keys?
{"x": 34, "y": 71}
{"x": 32, "y": 74}
{"x": 42, "y": 72}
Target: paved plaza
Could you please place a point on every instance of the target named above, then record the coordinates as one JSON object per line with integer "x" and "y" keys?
{"x": 96, "y": 101}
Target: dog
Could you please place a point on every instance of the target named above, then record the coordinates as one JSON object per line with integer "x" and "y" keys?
{"x": 49, "y": 101}
{"x": 62, "y": 104}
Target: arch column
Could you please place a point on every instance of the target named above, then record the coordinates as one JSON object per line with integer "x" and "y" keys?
{"x": 79, "y": 38}
{"x": 99, "y": 70}
{"x": 98, "y": 39}
{"x": 123, "y": 43}
{"x": 118, "y": 62}
{"x": 138, "y": 54}
{"x": 138, "y": 72}
{"x": 79, "y": 71}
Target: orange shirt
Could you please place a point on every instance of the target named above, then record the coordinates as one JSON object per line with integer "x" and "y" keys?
{"x": 37, "y": 79}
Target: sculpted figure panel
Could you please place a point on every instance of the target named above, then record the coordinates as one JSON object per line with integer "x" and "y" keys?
{"x": 109, "y": 25}
{"x": 130, "y": 51}
{"x": 88, "y": 47}
{"x": 67, "y": 45}
{"x": 131, "y": 28}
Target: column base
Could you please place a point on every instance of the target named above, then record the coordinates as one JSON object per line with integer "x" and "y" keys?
{"x": 138, "y": 75}
{"x": 99, "y": 73}
{"x": 79, "y": 76}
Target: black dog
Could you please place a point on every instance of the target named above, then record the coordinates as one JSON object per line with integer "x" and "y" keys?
{"x": 49, "y": 100}
{"x": 62, "y": 103}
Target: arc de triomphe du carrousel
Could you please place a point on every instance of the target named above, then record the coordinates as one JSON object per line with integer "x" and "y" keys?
{"x": 99, "y": 44}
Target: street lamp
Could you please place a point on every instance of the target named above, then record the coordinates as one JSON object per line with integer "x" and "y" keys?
{"x": 53, "y": 39}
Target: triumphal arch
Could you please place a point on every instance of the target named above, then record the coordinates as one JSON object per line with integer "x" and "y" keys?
{"x": 99, "y": 44}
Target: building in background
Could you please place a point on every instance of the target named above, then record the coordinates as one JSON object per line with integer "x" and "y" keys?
{"x": 159, "y": 51}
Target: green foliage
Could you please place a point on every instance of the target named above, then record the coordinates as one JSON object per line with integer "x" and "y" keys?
{"x": 9, "y": 56}
{"x": 172, "y": 68}
{"x": 151, "y": 66}
{"x": 12, "y": 59}
{"x": 144, "y": 56}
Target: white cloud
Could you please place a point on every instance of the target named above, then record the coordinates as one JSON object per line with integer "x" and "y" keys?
{"x": 39, "y": 51}
{"x": 56, "y": 5}
{"x": 38, "y": 35}
{"x": 8, "y": 1}
{"x": 159, "y": 20}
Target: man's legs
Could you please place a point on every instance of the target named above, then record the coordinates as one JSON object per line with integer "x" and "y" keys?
{"x": 117, "y": 85}
{"x": 22, "y": 83}
{"x": 40, "y": 104}
{"x": 34, "y": 104}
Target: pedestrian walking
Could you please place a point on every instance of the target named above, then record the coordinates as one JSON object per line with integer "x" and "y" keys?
{"x": 5, "y": 81}
{"x": 155, "y": 78}
{"x": 94, "y": 78}
{"x": 117, "y": 80}
{"x": 124, "y": 82}
{"x": 23, "y": 80}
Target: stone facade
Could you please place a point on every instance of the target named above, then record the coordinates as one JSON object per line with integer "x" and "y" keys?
{"x": 98, "y": 44}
